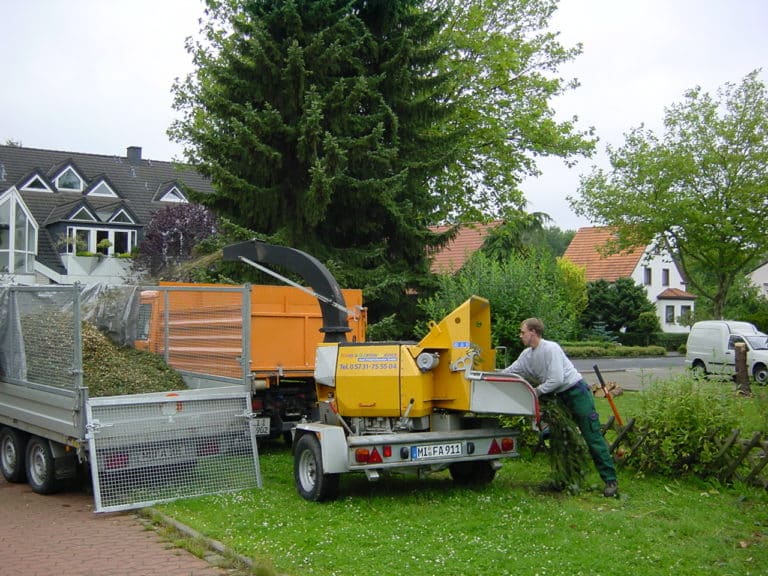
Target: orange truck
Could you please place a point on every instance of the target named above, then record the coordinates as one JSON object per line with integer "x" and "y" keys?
{"x": 203, "y": 331}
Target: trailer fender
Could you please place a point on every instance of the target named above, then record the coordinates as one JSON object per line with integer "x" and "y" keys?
{"x": 333, "y": 445}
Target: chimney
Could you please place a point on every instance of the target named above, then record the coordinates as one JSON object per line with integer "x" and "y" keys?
{"x": 134, "y": 153}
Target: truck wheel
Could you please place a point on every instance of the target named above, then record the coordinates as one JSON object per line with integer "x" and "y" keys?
{"x": 41, "y": 467}
{"x": 760, "y": 373}
{"x": 12, "y": 445}
{"x": 699, "y": 369}
{"x": 311, "y": 482}
{"x": 476, "y": 473}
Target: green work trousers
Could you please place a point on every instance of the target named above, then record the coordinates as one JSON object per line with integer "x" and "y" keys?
{"x": 581, "y": 405}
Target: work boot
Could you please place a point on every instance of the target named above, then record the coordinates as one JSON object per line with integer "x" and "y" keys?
{"x": 611, "y": 489}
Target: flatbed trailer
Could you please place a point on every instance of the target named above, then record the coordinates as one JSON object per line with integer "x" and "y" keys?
{"x": 137, "y": 449}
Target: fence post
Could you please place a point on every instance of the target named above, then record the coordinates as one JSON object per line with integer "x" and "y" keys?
{"x": 742, "y": 375}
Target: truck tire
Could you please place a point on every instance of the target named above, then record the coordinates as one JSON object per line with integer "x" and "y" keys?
{"x": 760, "y": 374}
{"x": 699, "y": 369}
{"x": 477, "y": 473}
{"x": 13, "y": 444}
{"x": 41, "y": 467}
{"x": 311, "y": 482}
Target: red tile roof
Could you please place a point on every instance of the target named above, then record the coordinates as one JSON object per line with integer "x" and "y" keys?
{"x": 584, "y": 251}
{"x": 468, "y": 240}
{"x": 676, "y": 294}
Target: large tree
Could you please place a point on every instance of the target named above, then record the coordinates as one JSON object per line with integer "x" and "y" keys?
{"x": 503, "y": 61}
{"x": 699, "y": 190}
{"x": 347, "y": 127}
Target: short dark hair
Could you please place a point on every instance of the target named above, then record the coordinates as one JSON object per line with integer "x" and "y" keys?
{"x": 534, "y": 325}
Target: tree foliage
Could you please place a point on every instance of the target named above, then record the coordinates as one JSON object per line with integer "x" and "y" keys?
{"x": 615, "y": 305}
{"x": 698, "y": 190}
{"x": 347, "y": 127}
{"x": 503, "y": 62}
{"x": 518, "y": 288}
{"x": 172, "y": 235}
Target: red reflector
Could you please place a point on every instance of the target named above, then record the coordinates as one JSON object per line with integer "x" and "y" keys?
{"x": 387, "y": 451}
{"x": 116, "y": 461}
{"x": 507, "y": 444}
{"x": 257, "y": 404}
{"x": 375, "y": 457}
{"x": 362, "y": 455}
{"x": 494, "y": 449}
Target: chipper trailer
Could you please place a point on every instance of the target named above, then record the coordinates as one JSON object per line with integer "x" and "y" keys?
{"x": 396, "y": 407}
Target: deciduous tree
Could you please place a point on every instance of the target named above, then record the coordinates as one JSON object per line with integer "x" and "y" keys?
{"x": 699, "y": 190}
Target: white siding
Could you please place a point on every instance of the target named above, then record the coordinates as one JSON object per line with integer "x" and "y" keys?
{"x": 655, "y": 266}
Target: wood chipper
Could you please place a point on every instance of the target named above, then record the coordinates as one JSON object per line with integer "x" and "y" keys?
{"x": 386, "y": 407}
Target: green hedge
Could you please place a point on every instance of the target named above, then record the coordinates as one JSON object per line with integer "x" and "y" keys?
{"x": 579, "y": 351}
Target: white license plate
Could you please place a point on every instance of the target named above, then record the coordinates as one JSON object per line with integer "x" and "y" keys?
{"x": 436, "y": 451}
{"x": 261, "y": 426}
{"x": 167, "y": 454}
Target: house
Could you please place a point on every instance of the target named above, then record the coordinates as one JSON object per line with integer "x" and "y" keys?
{"x": 658, "y": 274}
{"x": 468, "y": 240}
{"x": 56, "y": 206}
{"x": 759, "y": 278}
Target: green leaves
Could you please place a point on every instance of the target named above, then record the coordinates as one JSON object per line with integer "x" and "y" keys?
{"x": 698, "y": 190}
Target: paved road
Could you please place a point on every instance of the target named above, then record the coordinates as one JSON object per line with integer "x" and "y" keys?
{"x": 631, "y": 373}
{"x": 60, "y": 534}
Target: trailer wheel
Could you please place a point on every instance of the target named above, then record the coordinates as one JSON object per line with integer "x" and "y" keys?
{"x": 311, "y": 482}
{"x": 41, "y": 467}
{"x": 760, "y": 373}
{"x": 478, "y": 473}
{"x": 12, "y": 446}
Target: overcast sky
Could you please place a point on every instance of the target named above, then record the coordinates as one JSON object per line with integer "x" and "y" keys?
{"x": 95, "y": 76}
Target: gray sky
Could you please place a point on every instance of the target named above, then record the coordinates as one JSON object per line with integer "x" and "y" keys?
{"x": 95, "y": 75}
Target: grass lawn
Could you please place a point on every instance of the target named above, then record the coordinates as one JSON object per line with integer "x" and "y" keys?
{"x": 428, "y": 527}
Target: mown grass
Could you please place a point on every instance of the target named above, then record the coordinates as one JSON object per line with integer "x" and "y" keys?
{"x": 430, "y": 527}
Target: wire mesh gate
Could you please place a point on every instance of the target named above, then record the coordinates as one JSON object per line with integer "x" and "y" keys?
{"x": 152, "y": 448}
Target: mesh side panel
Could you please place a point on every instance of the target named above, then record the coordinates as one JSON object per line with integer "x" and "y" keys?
{"x": 169, "y": 448}
{"x": 44, "y": 329}
{"x": 201, "y": 335}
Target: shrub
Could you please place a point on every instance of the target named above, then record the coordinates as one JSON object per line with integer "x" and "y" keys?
{"x": 682, "y": 421}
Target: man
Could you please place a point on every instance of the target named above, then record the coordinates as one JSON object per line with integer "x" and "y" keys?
{"x": 544, "y": 364}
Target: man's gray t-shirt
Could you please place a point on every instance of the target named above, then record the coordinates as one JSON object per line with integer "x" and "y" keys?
{"x": 546, "y": 366}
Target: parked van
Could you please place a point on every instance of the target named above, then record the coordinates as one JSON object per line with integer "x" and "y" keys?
{"x": 711, "y": 348}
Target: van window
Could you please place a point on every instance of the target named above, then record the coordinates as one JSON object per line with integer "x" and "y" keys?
{"x": 733, "y": 340}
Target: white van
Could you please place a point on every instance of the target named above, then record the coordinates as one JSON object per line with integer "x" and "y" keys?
{"x": 711, "y": 348}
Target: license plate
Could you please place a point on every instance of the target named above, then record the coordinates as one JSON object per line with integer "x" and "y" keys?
{"x": 261, "y": 426}
{"x": 166, "y": 454}
{"x": 435, "y": 451}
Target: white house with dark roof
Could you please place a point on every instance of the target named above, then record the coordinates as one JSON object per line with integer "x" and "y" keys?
{"x": 54, "y": 205}
{"x": 657, "y": 273}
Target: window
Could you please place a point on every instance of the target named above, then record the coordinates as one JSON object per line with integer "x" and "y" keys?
{"x": 686, "y": 312}
{"x": 174, "y": 195}
{"x": 18, "y": 236}
{"x": 665, "y": 277}
{"x": 669, "y": 314}
{"x": 88, "y": 239}
{"x": 36, "y": 184}
{"x": 102, "y": 189}
{"x": 84, "y": 215}
{"x": 647, "y": 276}
{"x": 69, "y": 180}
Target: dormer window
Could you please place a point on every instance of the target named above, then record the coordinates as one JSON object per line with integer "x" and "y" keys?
{"x": 122, "y": 218}
{"x": 174, "y": 195}
{"x": 102, "y": 189}
{"x": 83, "y": 215}
{"x": 69, "y": 181}
{"x": 36, "y": 184}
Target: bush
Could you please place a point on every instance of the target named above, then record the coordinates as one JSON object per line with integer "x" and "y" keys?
{"x": 580, "y": 350}
{"x": 682, "y": 422}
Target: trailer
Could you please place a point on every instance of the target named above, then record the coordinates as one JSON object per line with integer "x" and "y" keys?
{"x": 138, "y": 449}
{"x": 198, "y": 329}
{"x": 399, "y": 407}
